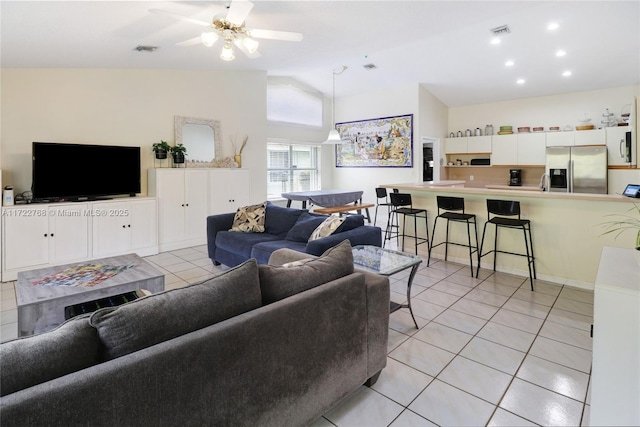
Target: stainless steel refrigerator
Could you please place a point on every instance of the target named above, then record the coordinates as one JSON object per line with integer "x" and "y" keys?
{"x": 580, "y": 169}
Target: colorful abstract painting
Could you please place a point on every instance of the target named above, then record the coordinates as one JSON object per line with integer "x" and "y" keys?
{"x": 383, "y": 142}
{"x": 86, "y": 275}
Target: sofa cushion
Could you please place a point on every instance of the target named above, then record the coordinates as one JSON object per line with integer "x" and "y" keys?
{"x": 279, "y": 220}
{"x": 262, "y": 251}
{"x": 302, "y": 229}
{"x": 277, "y": 282}
{"x": 241, "y": 243}
{"x": 327, "y": 228}
{"x": 250, "y": 219}
{"x": 166, "y": 315}
{"x": 70, "y": 347}
{"x": 350, "y": 222}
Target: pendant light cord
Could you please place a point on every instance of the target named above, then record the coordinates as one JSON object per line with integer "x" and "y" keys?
{"x": 333, "y": 99}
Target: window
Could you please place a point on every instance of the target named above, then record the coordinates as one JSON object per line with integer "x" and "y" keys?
{"x": 291, "y": 167}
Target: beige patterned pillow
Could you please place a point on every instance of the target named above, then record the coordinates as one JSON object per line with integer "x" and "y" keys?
{"x": 327, "y": 227}
{"x": 250, "y": 219}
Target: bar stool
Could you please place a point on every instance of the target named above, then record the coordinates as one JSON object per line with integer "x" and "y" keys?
{"x": 402, "y": 205}
{"x": 381, "y": 193}
{"x": 501, "y": 210}
{"x": 452, "y": 209}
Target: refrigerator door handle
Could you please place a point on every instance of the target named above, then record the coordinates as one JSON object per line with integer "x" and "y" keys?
{"x": 622, "y": 148}
{"x": 570, "y": 177}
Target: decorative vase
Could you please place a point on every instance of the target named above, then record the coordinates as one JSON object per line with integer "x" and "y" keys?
{"x": 238, "y": 159}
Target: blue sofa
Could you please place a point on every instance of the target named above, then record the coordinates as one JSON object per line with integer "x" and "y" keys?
{"x": 284, "y": 228}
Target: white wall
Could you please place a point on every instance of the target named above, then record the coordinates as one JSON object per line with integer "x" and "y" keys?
{"x": 395, "y": 102}
{"x": 434, "y": 116}
{"x": 127, "y": 107}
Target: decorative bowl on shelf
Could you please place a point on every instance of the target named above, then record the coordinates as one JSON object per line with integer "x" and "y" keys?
{"x": 524, "y": 129}
{"x": 538, "y": 129}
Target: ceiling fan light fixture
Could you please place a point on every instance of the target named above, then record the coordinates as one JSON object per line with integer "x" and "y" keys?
{"x": 208, "y": 38}
{"x": 227, "y": 52}
{"x": 250, "y": 44}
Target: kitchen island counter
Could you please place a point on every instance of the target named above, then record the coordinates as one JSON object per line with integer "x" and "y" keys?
{"x": 567, "y": 228}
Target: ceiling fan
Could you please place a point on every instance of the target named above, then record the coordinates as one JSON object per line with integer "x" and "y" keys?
{"x": 231, "y": 29}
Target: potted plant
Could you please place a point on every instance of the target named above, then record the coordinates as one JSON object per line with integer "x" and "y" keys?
{"x": 161, "y": 149}
{"x": 178, "y": 152}
{"x": 626, "y": 222}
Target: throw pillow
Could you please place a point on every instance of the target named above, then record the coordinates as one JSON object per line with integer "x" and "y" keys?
{"x": 29, "y": 361}
{"x": 302, "y": 229}
{"x": 327, "y": 227}
{"x": 279, "y": 282}
{"x": 160, "y": 317}
{"x": 250, "y": 219}
{"x": 279, "y": 220}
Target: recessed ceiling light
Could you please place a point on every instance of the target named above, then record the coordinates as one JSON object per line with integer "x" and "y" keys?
{"x": 509, "y": 63}
{"x": 566, "y": 73}
{"x": 553, "y": 26}
{"x": 520, "y": 81}
{"x": 561, "y": 53}
{"x": 495, "y": 40}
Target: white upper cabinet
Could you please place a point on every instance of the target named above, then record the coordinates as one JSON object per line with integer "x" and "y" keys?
{"x": 455, "y": 145}
{"x": 590, "y": 137}
{"x": 531, "y": 149}
{"x": 505, "y": 150}
{"x": 479, "y": 144}
{"x": 560, "y": 139}
{"x": 617, "y": 146}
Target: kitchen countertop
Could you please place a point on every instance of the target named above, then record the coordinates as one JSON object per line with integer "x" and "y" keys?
{"x": 504, "y": 190}
{"x": 514, "y": 187}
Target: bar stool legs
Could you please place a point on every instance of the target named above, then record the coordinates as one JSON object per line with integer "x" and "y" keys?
{"x": 499, "y": 213}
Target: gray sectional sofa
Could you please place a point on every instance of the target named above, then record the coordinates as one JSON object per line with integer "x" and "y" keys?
{"x": 284, "y": 228}
{"x": 259, "y": 345}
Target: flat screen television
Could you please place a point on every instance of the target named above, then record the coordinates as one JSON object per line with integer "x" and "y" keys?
{"x": 84, "y": 172}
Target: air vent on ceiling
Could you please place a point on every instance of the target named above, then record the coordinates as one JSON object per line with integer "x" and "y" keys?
{"x": 141, "y": 48}
{"x": 370, "y": 66}
{"x": 503, "y": 29}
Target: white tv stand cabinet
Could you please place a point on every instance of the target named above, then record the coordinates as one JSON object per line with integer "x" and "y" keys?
{"x": 46, "y": 234}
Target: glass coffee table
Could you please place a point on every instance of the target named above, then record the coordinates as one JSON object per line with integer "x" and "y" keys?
{"x": 387, "y": 262}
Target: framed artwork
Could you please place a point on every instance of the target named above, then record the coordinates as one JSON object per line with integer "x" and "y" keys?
{"x": 386, "y": 142}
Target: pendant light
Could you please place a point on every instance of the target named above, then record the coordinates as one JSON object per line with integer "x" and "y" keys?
{"x": 334, "y": 136}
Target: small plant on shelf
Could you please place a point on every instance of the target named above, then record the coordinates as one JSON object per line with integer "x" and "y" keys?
{"x": 178, "y": 152}
{"x": 161, "y": 149}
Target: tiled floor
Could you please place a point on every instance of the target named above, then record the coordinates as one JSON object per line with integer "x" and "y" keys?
{"x": 488, "y": 352}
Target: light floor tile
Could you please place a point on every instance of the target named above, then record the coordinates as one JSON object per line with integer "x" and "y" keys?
{"x": 181, "y": 266}
{"x": 410, "y": 419}
{"x": 192, "y": 273}
{"x": 477, "y": 309}
{"x": 518, "y": 321}
{"x": 529, "y": 308}
{"x": 577, "y": 295}
{"x": 558, "y": 378}
{"x": 496, "y": 288}
{"x": 443, "y": 336}
{"x": 463, "y": 277}
{"x": 563, "y": 354}
{"x": 8, "y": 286}
{"x": 586, "y": 416}
{"x": 425, "y": 309}
{"x": 8, "y": 316}
{"x": 506, "y": 279}
{"x": 438, "y": 297}
{"x": 364, "y": 407}
{"x": 485, "y": 297}
{"x": 164, "y": 259}
{"x": 7, "y": 294}
{"x": 543, "y": 287}
{"x": 400, "y": 286}
{"x": 507, "y": 336}
{"x": 401, "y": 383}
{"x": 422, "y": 356}
{"x": 447, "y": 266}
{"x": 401, "y": 321}
{"x": 567, "y": 318}
{"x": 8, "y": 304}
{"x": 445, "y": 405}
{"x": 460, "y": 321}
{"x": 502, "y": 418}
{"x": 451, "y": 288}
{"x": 568, "y": 335}
{"x": 423, "y": 280}
{"x": 574, "y": 306}
{"x": 497, "y": 356}
{"x": 476, "y": 379}
{"x": 540, "y": 405}
{"x": 175, "y": 285}
{"x": 395, "y": 339}
{"x": 8, "y": 331}
{"x": 533, "y": 296}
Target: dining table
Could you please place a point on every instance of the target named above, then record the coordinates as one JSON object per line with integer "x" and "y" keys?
{"x": 324, "y": 198}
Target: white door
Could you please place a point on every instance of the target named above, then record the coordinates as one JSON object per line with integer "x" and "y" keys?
{"x": 144, "y": 228}
{"x": 171, "y": 204}
{"x": 239, "y": 188}
{"x": 196, "y": 203}
{"x": 110, "y": 233}
{"x": 26, "y": 237}
{"x": 69, "y": 233}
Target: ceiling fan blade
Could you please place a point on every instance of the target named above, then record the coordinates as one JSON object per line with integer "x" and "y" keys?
{"x": 243, "y": 48}
{"x": 275, "y": 35}
{"x": 190, "y": 42}
{"x": 238, "y": 11}
{"x": 181, "y": 17}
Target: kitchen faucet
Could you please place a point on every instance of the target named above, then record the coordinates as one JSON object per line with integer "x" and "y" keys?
{"x": 544, "y": 182}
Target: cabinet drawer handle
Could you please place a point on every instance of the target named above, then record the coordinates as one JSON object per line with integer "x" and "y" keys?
{"x": 46, "y": 235}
